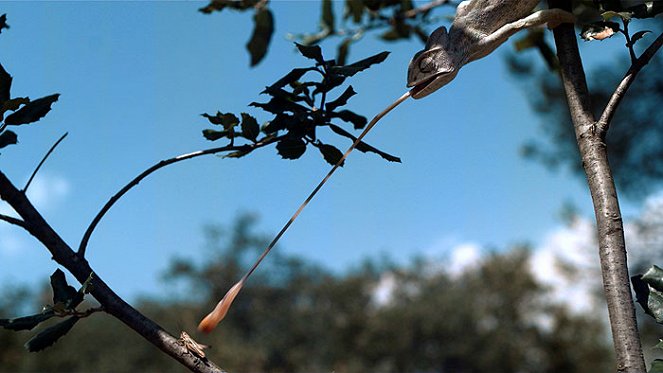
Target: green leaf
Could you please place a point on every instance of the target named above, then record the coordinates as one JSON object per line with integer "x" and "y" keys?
{"x": 311, "y": 51}
{"x": 26, "y": 322}
{"x": 262, "y": 34}
{"x": 327, "y": 17}
{"x": 63, "y": 293}
{"x": 341, "y": 100}
{"x": 33, "y": 111}
{"x": 250, "y": 127}
{"x": 330, "y": 154}
{"x": 8, "y": 138}
{"x": 3, "y": 22}
{"x": 291, "y": 148}
{"x": 5, "y": 85}
{"x": 649, "y": 292}
{"x": 357, "y": 120}
{"x": 213, "y": 135}
{"x": 638, "y": 35}
{"x": 362, "y": 146}
{"x": 656, "y": 366}
{"x": 352, "y": 69}
{"x": 50, "y": 335}
{"x": 227, "y": 120}
{"x": 659, "y": 345}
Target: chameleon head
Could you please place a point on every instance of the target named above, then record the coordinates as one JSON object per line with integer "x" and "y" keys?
{"x": 433, "y": 67}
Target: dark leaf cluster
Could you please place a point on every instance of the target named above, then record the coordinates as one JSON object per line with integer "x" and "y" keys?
{"x": 393, "y": 20}
{"x": 299, "y": 108}
{"x": 16, "y": 111}
{"x": 65, "y": 301}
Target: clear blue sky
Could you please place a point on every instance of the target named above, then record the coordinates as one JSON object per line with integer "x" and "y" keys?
{"x": 134, "y": 78}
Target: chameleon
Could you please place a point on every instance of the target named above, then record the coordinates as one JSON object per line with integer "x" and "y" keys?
{"x": 479, "y": 27}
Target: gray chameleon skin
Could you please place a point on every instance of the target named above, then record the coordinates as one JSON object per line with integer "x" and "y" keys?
{"x": 480, "y": 26}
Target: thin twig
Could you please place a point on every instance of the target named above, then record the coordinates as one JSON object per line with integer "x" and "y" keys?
{"x": 12, "y": 220}
{"x": 629, "y": 43}
{"x": 25, "y": 188}
{"x": 424, "y": 8}
{"x": 617, "y": 96}
{"x": 152, "y": 169}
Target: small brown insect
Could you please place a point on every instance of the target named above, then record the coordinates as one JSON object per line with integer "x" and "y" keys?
{"x": 192, "y": 346}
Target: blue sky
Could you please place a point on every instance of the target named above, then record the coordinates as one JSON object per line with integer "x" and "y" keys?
{"x": 134, "y": 78}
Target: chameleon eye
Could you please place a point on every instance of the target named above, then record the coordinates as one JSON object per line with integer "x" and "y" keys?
{"x": 427, "y": 64}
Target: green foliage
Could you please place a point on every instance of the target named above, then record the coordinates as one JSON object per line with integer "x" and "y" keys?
{"x": 300, "y": 106}
{"x": 649, "y": 292}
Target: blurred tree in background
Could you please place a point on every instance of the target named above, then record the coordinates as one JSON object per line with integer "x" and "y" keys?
{"x": 299, "y": 317}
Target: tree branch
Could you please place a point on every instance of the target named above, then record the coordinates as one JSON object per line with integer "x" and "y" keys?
{"x": 637, "y": 65}
{"x": 80, "y": 268}
{"x": 48, "y": 153}
{"x": 612, "y": 247}
{"x": 12, "y": 220}
{"x": 88, "y": 232}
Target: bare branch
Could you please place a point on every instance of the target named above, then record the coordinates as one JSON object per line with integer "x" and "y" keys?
{"x": 43, "y": 160}
{"x": 80, "y": 269}
{"x": 12, "y": 220}
{"x": 88, "y": 232}
{"x": 637, "y": 65}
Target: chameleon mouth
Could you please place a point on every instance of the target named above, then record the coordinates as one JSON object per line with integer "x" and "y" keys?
{"x": 419, "y": 87}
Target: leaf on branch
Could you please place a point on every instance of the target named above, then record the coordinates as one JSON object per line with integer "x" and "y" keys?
{"x": 8, "y": 138}
{"x": 357, "y": 120}
{"x": 291, "y": 148}
{"x": 649, "y": 292}
{"x": 311, "y": 51}
{"x": 3, "y": 22}
{"x": 330, "y": 153}
{"x": 250, "y": 127}
{"x": 638, "y": 35}
{"x": 330, "y": 82}
{"x": 656, "y": 366}
{"x": 238, "y": 154}
{"x": 262, "y": 34}
{"x": 352, "y": 69}
{"x": 362, "y": 146}
{"x": 5, "y": 85}
{"x": 289, "y": 78}
{"x": 213, "y": 135}
{"x": 341, "y": 100}
{"x": 26, "y": 322}
{"x": 63, "y": 293}
{"x": 278, "y": 105}
{"x": 50, "y": 335}
{"x": 32, "y": 111}
{"x": 227, "y": 120}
